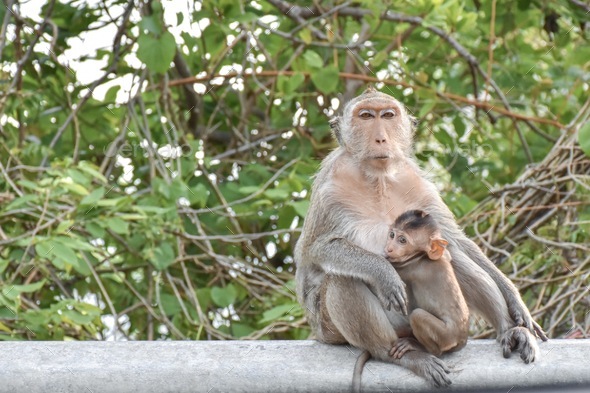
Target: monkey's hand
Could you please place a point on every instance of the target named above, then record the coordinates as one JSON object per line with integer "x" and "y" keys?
{"x": 391, "y": 292}
{"x": 522, "y": 317}
{"x": 519, "y": 339}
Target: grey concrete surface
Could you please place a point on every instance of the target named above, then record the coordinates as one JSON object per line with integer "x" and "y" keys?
{"x": 269, "y": 366}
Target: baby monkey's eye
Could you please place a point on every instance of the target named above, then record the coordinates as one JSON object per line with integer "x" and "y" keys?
{"x": 402, "y": 240}
{"x": 392, "y": 234}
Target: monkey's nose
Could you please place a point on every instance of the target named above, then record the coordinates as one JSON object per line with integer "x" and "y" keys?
{"x": 380, "y": 140}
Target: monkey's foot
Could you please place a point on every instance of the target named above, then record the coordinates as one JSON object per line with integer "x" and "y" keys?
{"x": 520, "y": 339}
{"x": 403, "y": 345}
{"x": 427, "y": 366}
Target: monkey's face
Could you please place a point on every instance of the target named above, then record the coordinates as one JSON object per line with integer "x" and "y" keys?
{"x": 376, "y": 129}
{"x": 401, "y": 246}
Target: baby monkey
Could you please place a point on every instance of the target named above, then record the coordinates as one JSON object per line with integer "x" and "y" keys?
{"x": 439, "y": 317}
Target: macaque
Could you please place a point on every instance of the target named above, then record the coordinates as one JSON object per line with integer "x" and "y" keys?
{"x": 439, "y": 318}
{"x": 350, "y": 291}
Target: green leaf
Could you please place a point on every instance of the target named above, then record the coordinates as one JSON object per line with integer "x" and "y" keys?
{"x": 584, "y": 138}
{"x": 93, "y": 197}
{"x": 300, "y": 207}
{"x": 240, "y": 330}
{"x": 277, "y": 194}
{"x": 157, "y": 7}
{"x": 313, "y": 59}
{"x": 43, "y": 249}
{"x": 326, "y": 79}
{"x": 30, "y": 185}
{"x": 92, "y": 170}
{"x": 204, "y": 296}
{"x": 151, "y": 24}
{"x": 12, "y": 291}
{"x": 21, "y": 201}
{"x": 74, "y": 317}
{"x": 379, "y": 58}
{"x": 223, "y": 297}
{"x": 277, "y": 312}
{"x": 459, "y": 125}
{"x": 110, "y": 202}
{"x": 198, "y": 195}
{"x": 153, "y": 210}
{"x": 95, "y": 229}
{"x": 164, "y": 256}
{"x": 111, "y": 94}
{"x": 426, "y": 108}
{"x": 3, "y": 264}
{"x": 63, "y": 252}
{"x": 295, "y": 81}
{"x": 117, "y": 225}
{"x": 247, "y": 17}
{"x": 305, "y": 35}
{"x": 64, "y": 227}
{"x": 75, "y": 188}
{"x": 74, "y": 243}
{"x": 170, "y": 304}
{"x": 156, "y": 52}
{"x": 443, "y": 137}
{"x": 247, "y": 190}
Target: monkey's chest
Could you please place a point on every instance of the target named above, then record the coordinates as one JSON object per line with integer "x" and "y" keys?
{"x": 367, "y": 222}
{"x": 369, "y": 234}
{"x": 367, "y": 209}
{"x": 371, "y": 209}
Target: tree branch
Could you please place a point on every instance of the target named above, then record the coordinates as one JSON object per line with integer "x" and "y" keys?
{"x": 371, "y": 79}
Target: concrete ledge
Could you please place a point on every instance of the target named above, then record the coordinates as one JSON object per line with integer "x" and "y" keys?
{"x": 268, "y": 366}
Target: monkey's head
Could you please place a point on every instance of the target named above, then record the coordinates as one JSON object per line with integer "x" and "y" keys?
{"x": 413, "y": 233}
{"x": 374, "y": 128}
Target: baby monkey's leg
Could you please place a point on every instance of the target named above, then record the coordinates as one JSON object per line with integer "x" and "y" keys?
{"x": 436, "y": 336}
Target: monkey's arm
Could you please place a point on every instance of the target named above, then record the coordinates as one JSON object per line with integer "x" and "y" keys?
{"x": 516, "y": 307}
{"x": 338, "y": 256}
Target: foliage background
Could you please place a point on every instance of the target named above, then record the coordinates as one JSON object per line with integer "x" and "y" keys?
{"x": 156, "y": 157}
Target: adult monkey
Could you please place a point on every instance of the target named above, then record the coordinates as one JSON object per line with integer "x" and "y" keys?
{"x": 345, "y": 284}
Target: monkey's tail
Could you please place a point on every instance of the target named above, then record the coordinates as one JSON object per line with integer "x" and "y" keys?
{"x": 358, "y": 370}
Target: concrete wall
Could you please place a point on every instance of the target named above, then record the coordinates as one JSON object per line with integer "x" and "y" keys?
{"x": 268, "y": 366}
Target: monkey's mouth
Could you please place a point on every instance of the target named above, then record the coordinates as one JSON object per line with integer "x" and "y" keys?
{"x": 383, "y": 157}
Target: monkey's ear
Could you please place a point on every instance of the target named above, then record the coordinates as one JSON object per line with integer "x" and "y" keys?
{"x": 437, "y": 248}
{"x": 335, "y": 126}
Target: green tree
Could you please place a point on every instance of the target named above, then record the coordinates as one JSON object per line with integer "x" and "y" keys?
{"x": 156, "y": 160}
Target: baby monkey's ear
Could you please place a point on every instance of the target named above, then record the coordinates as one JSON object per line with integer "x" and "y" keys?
{"x": 438, "y": 246}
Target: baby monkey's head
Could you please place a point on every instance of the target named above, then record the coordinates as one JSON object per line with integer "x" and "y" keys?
{"x": 413, "y": 233}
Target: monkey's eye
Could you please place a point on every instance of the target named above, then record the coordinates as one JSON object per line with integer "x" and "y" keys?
{"x": 392, "y": 234}
{"x": 402, "y": 240}
{"x": 365, "y": 114}
{"x": 388, "y": 114}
